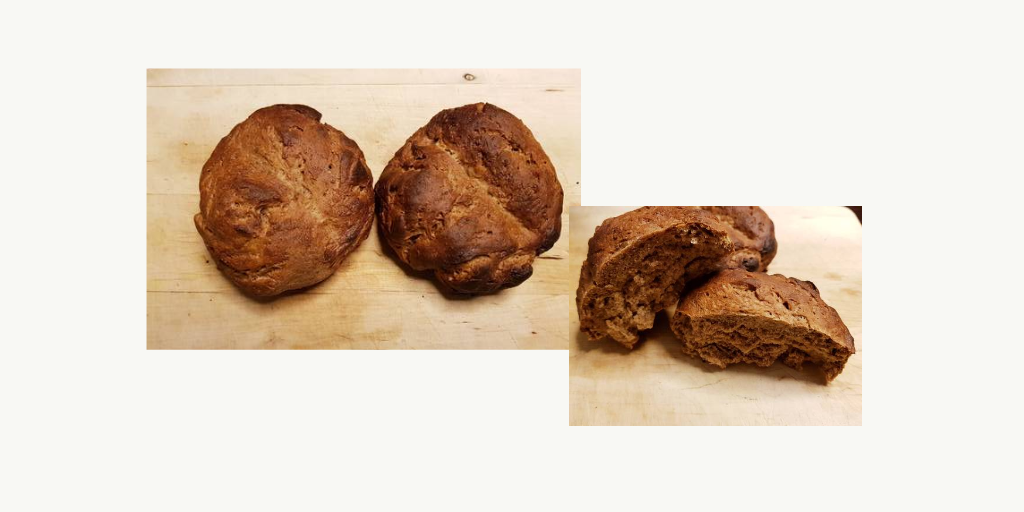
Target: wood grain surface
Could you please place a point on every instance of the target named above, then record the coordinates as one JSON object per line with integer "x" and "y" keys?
{"x": 655, "y": 384}
{"x": 371, "y": 302}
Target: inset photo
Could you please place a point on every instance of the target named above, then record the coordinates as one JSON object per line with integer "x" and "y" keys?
{"x": 360, "y": 209}
{"x": 716, "y": 315}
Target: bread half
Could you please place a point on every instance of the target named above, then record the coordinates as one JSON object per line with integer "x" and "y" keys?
{"x": 639, "y": 262}
{"x": 746, "y": 317}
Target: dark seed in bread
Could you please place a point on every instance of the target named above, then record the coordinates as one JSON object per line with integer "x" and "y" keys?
{"x": 753, "y": 236}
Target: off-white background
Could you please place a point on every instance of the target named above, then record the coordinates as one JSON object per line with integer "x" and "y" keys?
{"x": 906, "y": 107}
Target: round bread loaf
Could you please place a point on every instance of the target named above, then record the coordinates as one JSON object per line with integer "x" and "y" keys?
{"x": 472, "y": 197}
{"x": 283, "y": 199}
{"x": 639, "y": 262}
{"x": 751, "y": 317}
{"x": 753, "y": 236}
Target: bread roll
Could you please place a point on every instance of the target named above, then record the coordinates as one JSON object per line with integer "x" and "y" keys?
{"x": 471, "y": 197}
{"x": 283, "y": 199}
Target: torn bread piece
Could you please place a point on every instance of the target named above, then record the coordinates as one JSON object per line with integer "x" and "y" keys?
{"x": 746, "y": 317}
{"x": 638, "y": 264}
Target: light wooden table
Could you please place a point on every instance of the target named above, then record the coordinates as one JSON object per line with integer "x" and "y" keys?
{"x": 370, "y": 302}
{"x": 655, "y": 384}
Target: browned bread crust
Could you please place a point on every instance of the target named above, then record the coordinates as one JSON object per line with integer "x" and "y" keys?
{"x": 283, "y": 199}
{"x": 638, "y": 263}
{"x": 472, "y": 197}
{"x": 739, "y": 316}
{"x": 753, "y": 236}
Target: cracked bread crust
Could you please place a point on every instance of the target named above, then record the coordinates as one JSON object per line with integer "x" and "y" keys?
{"x": 472, "y": 197}
{"x": 753, "y": 236}
{"x": 639, "y": 262}
{"x": 283, "y": 200}
{"x": 739, "y": 316}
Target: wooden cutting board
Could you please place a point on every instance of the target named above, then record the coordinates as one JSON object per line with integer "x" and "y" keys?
{"x": 655, "y": 384}
{"x": 371, "y": 301}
